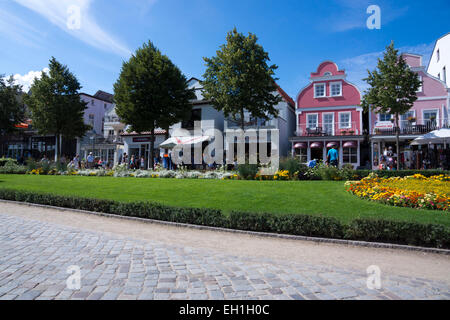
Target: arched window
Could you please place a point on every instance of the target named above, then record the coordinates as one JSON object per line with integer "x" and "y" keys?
{"x": 328, "y": 73}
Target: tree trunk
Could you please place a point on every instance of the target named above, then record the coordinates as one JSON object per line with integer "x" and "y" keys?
{"x": 397, "y": 140}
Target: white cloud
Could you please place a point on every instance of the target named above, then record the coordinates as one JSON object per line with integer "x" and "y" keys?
{"x": 18, "y": 30}
{"x": 56, "y": 11}
{"x": 356, "y": 67}
{"x": 27, "y": 80}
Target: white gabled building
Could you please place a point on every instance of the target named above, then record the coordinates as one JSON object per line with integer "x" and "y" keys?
{"x": 439, "y": 65}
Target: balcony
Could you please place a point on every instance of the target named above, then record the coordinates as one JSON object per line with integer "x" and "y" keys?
{"x": 328, "y": 129}
{"x": 407, "y": 127}
{"x": 250, "y": 124}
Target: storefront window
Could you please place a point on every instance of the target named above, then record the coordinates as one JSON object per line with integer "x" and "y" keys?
{"x": 301, "y": 154}
{"x": 350, "y": 155}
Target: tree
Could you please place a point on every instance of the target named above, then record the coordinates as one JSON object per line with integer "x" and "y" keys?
{"x": 239, "y": 78}
{"x": 56, "y": 106}
{"x": 151, "y": 93}
{"x": 393, "y": 87}
{"x": 12, "y": 109}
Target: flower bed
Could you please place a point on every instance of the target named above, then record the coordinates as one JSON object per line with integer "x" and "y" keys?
{"x": 415, "y": 191}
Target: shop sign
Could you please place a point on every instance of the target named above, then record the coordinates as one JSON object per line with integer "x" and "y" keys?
{"x": 142, "y": 139}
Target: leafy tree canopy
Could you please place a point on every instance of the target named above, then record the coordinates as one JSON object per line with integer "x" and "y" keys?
{"x": 55, "y": 103}
{"x": 12, "y": 109}
{"x": 239, "y": 78}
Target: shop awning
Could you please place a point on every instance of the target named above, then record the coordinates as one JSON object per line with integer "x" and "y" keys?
{"x": 436, "y": 137}
{"x": 350, "y": 144}
{"x": 175, "y": 141}
{"x": 333, "y": 144}
{"x": 300, "y": 145}
{"x": 316, "y": 145}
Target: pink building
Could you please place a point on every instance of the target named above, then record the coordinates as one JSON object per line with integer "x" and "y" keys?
{"x": 328, "y": 113}
{"x": 430, "y": 112}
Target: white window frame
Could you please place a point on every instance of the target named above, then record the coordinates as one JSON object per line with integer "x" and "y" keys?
{"x": 427, "y": 110}
{"x": 350, "y": 155}
{"x": 331, "y": 89}
{"x": 307, "y": 120}
{"x": 349, "y": 120}
{"x": 332, "y": 122}
{"x": 421, "y": 84}
{"x": 379, "y": 117}
{"x": 324, "y": 90}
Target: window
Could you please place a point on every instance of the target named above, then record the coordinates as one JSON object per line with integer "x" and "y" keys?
{"x": 106, "y": 105}
{"x": 407, "y": 118}
{"x": 444, "y": 75}
{"x": 319, "y": 90}
{"x": 344, "y": 120}
{"x": 430, "y": 116}
{"x": 92, "y": 102}
{"x": 336, "y": 89}
{"x": 312, "y": 121}
{"x": 91, "y": 120}
{"x": 421, "y": 85}
{"x": 384, "y": 117}
{"x": 350, "y": 155}
{"x": 328, "y": 73}
{"x": 111, "y": 133}
{"x": 302, "y": 155}
{"x": 328, "y": 119}
{"x": 438, "y": 56}
{"x": 196, "y": 115}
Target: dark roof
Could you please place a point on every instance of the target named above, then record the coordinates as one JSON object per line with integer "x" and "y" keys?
{"x": 286, "y": 97}
{"x": 105, "y": 96}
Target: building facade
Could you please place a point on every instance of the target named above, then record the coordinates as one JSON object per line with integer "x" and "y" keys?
{"x": 440, "y": 59}
{"x": 328, "y": 114}
{"x": 429, "y": 112}
{"x": 208, "y": 119}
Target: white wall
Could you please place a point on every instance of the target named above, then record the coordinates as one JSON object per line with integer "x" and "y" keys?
{"x": 435, "y": 67}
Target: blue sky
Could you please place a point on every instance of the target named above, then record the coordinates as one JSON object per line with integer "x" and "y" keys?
{"x": 297, "y": 34}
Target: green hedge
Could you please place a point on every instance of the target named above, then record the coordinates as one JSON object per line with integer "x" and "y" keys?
{"x": 429, "y": 235}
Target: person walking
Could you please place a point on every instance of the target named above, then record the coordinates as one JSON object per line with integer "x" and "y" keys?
{"x": 142, "y": 163}
{"x": 333, "y": 156}
{"x": 90, "y": 160}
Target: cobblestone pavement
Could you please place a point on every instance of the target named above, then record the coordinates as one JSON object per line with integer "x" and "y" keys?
{"x": 34, "y": 257}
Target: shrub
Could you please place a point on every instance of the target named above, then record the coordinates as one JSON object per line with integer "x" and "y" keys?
{"x": 12, "y": 167}
{"x": 248, "y": 171}
{"x": 430, "y": 235}
{"x": 294, "y": 166}
{"x": 4, "y": 161}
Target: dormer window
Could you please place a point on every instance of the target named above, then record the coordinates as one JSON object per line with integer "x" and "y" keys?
{"x": 336, "y": 89}
{"x": 319, "y": 90}
{"x": 328, "y": 73}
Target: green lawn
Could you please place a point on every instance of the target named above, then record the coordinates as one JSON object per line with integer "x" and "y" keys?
{"x": 328, "y": 198}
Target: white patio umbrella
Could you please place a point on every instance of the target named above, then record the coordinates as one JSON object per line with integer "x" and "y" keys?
{"x": 175, "y": 141}
{"x": 435, "y": 137}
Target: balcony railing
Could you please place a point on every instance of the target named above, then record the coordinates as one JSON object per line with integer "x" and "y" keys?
{"x": 249, "y": 123}
{"x": 407, "y": 127}
{"x": 328, "y": 129}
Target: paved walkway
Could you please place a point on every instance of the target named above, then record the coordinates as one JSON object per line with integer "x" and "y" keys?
{"x": 38, "y": 245}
